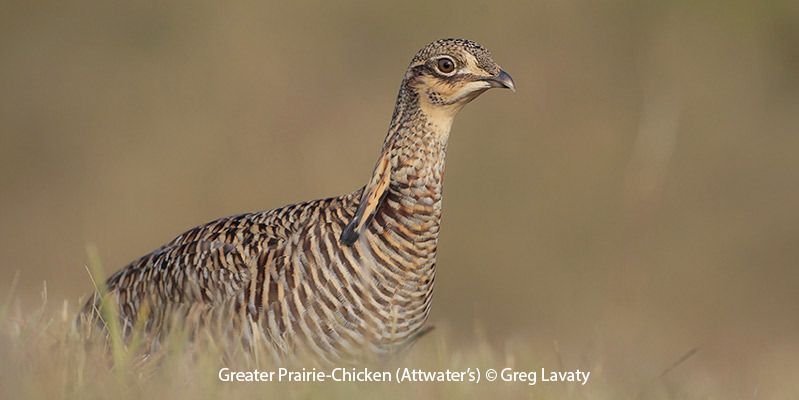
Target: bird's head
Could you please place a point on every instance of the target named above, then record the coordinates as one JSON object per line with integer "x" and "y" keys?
{"x": 449, "y": 73}
{"x": 443, "y": 77}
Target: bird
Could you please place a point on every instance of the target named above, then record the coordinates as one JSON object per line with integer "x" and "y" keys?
{"x": 331, "y": 279}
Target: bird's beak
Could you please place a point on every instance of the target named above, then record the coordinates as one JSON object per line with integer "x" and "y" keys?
{"x": 502, "y": 80}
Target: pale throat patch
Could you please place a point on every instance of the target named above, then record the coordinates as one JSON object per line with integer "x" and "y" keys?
{"x": 441, "y": 116}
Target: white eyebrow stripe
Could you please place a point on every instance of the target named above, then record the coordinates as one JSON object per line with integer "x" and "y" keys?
{"x": 471, "y": 60}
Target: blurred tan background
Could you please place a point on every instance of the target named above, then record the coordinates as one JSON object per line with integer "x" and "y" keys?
{"x": 636, "y": 198}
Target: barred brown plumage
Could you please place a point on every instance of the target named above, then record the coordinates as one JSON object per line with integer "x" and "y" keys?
{"x": 334, "y": 278}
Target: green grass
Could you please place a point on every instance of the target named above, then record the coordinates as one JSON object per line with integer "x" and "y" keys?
{"x": 45, "y": 355}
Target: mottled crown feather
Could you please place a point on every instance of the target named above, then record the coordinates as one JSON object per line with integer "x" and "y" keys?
{"x": 452, "y": 47}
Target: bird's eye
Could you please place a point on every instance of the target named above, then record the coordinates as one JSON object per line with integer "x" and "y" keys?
{"x": 446, "y": 65}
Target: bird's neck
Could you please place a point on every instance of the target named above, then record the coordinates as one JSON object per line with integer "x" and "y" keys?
{"x": 409, "y": 212}
{"x": 417, "y": 143}
{"x": 405, "y": 190}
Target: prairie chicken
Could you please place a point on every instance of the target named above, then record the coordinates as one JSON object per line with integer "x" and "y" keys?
{"x": 336, "y": 278}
